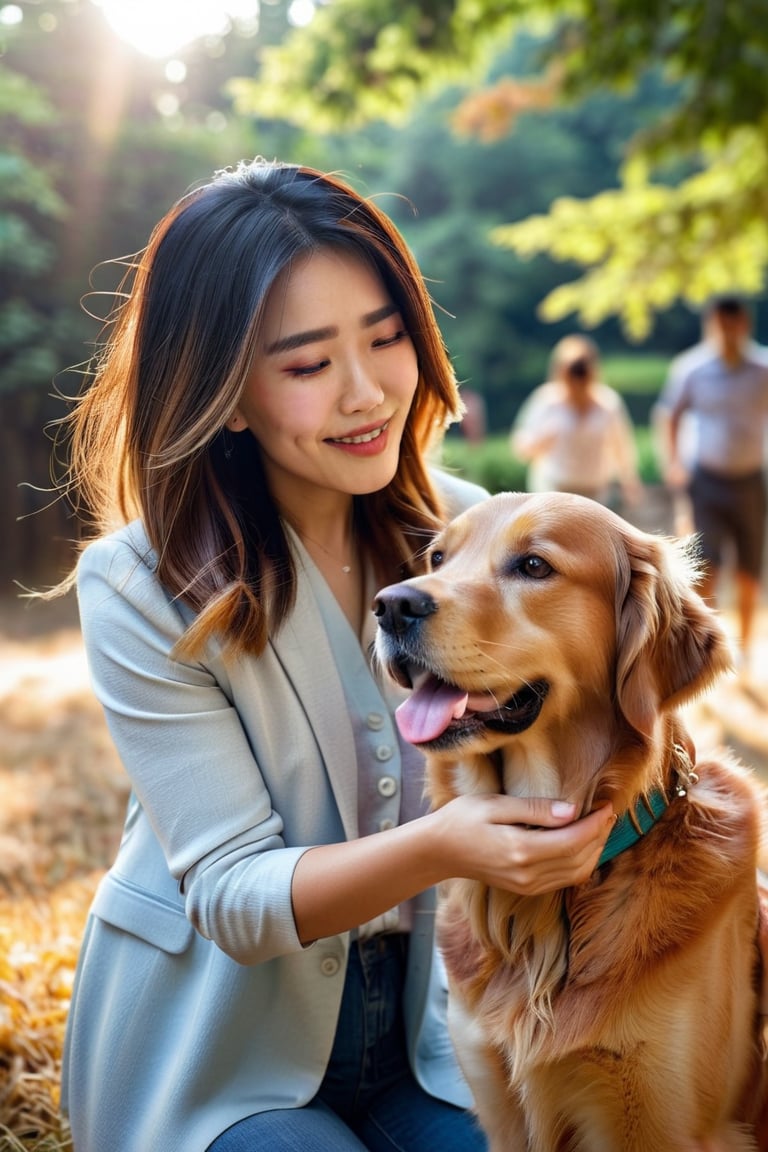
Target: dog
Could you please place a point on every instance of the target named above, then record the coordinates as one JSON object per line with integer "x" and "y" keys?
{"x": 548, "y": 649}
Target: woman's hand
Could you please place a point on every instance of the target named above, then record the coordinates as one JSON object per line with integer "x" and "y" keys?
{"x": 525, "y": 846}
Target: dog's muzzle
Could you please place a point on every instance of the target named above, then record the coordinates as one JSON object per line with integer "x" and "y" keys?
{"x": 438, "y": 713}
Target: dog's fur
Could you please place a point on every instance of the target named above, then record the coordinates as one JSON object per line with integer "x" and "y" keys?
{"x": 620, "y": 1015}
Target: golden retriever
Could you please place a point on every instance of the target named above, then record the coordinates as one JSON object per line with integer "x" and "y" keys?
{"x": 548, "y": 647}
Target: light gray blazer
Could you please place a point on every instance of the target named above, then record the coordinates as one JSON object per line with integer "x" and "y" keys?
{"x": 194, "y": 1002}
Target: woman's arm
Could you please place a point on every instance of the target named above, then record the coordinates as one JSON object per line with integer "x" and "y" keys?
{"x": 188, "y": 757}
{"x": 525, "y": 846}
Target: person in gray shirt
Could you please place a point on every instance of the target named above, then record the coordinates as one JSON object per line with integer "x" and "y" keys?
{"x": 719, "y": 391}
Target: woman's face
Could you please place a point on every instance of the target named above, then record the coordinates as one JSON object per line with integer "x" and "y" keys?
{"x": 332, "y": 381}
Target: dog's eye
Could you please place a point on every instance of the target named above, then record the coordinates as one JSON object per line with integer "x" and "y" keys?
{"x": 435, "y": 559}
{"x": 533, "y": 566}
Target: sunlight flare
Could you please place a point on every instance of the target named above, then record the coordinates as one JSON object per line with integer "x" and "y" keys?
{"x": 159, "y": 28}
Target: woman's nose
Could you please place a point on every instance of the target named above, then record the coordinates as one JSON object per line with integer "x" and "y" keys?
{"x": 362, "y": 390}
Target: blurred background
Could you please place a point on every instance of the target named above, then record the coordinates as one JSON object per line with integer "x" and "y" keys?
{"x": 556, "y": 167}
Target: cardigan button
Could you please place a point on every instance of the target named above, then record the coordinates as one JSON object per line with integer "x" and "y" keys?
{"x": 329, "y": 966}
{"x": 387, "y": 786}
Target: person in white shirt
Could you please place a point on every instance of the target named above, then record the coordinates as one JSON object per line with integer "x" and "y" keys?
{"x": 718, "y": 391}
{"x": 575, "y": 432}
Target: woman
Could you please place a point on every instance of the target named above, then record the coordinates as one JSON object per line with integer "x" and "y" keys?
{"x": 258, "y": 968}
{"x": 575, "y": 432}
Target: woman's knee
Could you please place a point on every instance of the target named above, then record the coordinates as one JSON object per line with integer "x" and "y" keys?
{"x": 314, "y": 1128}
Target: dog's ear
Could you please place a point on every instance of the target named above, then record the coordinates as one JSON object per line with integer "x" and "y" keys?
{"x": 670, "y": 645}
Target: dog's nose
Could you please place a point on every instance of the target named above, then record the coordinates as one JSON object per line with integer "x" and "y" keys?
{"x": 400, "y": 605}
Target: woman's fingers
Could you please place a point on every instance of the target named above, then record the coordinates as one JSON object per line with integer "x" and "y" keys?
{"x": 543, "y": 848}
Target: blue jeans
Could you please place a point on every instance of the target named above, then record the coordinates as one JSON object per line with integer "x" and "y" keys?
{"x": 369, "y": 1099}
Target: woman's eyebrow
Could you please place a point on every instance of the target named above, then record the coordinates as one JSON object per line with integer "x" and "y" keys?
{"x": 298, "y": 339}
{"x": 371, "y": 318}
{"x": 288, "y": 343}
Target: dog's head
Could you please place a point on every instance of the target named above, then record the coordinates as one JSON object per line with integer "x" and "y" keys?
{"x": 542, "y": 618}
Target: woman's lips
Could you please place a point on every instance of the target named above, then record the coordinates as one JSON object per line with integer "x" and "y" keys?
{"x": 366, "y": 443}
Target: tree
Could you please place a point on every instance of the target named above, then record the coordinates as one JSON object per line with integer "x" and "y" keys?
{"x": 31, "y": 327}
{"x": 88, "y": 164}
{"x": 690, "y": 213}
{"x": 29, "y": 203}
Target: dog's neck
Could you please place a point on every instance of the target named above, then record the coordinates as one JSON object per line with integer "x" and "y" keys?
{"x": 623, "y": 768}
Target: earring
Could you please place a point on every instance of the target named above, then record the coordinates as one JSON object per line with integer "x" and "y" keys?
{"x": 228, "y": 443}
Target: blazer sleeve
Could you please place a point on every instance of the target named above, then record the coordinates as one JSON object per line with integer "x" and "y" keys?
{"x": 188, "y": 758}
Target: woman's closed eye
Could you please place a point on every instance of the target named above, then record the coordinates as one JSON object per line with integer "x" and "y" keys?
{"x": 393, "y": 338}
{"x": 300, "y": 370}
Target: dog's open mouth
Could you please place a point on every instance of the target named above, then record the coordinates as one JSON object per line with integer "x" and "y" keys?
{"x": 441, "y": 714}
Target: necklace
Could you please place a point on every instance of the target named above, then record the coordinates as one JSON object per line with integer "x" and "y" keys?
{"x": 345, "y": 568}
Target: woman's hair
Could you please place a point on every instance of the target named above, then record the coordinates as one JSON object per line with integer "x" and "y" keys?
{"x": 149, "y": 437}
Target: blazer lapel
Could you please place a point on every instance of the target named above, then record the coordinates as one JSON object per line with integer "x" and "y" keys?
{"x": 302, "y": 648}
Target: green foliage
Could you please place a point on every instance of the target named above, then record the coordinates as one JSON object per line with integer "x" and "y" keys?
{"x": 20, "y": 249}
{"x": 716, "y": 54}
{"x": 648, "y": 463}
{"x": 664, "y": 235}
{"x": 639, "y": 378}
{"x": 22, "y": 102}
{"x": 87, "y": 167}
{"x": 650, "y": 244}
{"x": 29, "y": 344}
{"x": 638, "y": 374}
{"x": 490, "y": 463}
{"x": 29, "y": 206}
{"x": 362, "y": 61}
{"x": 493, "y": 465}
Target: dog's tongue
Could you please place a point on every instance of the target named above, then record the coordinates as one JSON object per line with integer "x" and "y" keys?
{"x": 429, "y": 710}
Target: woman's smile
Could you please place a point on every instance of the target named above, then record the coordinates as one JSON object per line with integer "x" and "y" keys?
{"x": 367, "y": 442}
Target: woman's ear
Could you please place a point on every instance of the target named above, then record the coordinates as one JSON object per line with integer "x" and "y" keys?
{"x": 236, "y": 422}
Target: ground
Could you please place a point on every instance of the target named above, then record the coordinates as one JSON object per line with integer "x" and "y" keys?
{"x": 62, "y": 797}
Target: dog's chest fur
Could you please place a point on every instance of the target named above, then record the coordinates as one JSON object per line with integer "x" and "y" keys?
{"x": 596, "y": 978}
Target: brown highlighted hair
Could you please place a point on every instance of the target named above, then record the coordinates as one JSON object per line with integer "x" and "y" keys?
{"x": 148, "y": 436}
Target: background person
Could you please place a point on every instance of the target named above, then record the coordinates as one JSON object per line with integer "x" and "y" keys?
{"x": 575, "y": 432}
{"x": 258, "y": 969}
{"x": 718, "y": 392}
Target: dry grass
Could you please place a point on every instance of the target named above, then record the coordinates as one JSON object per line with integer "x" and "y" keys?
{"x": 62, "y": 797}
